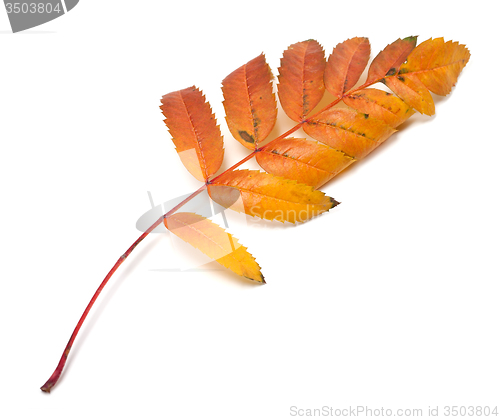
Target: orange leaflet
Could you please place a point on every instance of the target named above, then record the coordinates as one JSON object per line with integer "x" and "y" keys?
{"x": 194, "y": 131}
{"x": 215, "y": 242}
{"x": 353, "y": 133}
{"x": 345, "y": 65}
{"x": 301, "y": 86}
{"x": 305, "y": 161}
{"x": 249, "y": 102}
{"x": 381, "y": 105}
{"x": 268, "y": 196}
{"x": 388, "y": 61}
{"x": 411, "y": 90}
{"x": 437, "y": 64}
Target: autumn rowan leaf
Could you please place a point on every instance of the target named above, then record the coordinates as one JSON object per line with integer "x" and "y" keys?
{"x": 301, "y": 85}
{"x": 437, "y": 64}
{"x": 215, "y": 242}
{"x": 383, "y": 106}
{"x": 388, "y": 61}
{"x": 411, "y": 90}
{"x": 351, "y": 132}
{"x": 269, "y": 197}
{"x": 296, "y": 166}
{"x": 250, "y": 103}
{"x": 194, "y": 131}
{"x": 305, "y": 161}
{"x": 346, "y": 64}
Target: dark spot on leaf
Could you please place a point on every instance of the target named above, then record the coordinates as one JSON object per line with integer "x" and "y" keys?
{"x": 247, "y": 137}
{"x": 403, "y": 71}
{"x": 401, "y": 78}
{"x": 391, "y": 72}
{"x": 275, "y": 152}
{"x": 366, "y": 116}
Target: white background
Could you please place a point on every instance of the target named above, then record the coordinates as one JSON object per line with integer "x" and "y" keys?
{"x": 389, "y": 300}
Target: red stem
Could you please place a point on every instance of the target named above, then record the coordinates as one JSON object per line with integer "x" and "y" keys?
{"x": 57, "y": 373}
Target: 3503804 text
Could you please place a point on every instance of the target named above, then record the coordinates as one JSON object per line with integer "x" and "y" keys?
{"x": 33, "y": 8}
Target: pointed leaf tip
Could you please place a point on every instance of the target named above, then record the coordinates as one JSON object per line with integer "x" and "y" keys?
{"x": 412, "y": 38}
